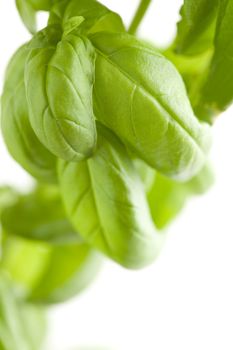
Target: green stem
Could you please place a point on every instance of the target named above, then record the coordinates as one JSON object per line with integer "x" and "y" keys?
{"x": 140, "y": 13}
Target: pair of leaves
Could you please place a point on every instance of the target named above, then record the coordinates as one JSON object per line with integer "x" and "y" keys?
{"x": 217, "y": 93}
{"x": 59, "y": 78}
{"x": 21, "y": 141}
{"x": 22, "y": 326}
{"x": 106, "y": 203}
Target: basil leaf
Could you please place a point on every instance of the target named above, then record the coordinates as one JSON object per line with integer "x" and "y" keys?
{"x": 197, "y": 26}
{"x": 18, "y": 134}
{"x": 28, "y": 8}
{"x": 22, "y": 326}
{"x": 168, "y": 197}
{"x": 97, "y": 16}
{"x": 140, "y": 95}
{"x": 217, "y": 93}
{"x": 105, "y": 201}
{"x": 39, "y": 216}
{"x": 49, "y": 274}
{"x": 42, "y": 5}
{"x": 59, "y": 79}
{"x": 27, "y": 14}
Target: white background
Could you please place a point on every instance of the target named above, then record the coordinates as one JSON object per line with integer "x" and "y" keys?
{"x": 185, "y": 300}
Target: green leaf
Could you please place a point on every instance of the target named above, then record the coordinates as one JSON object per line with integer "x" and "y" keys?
{"x": 39, "y": 216}
{"x": 97, "y": 16}
{"x": 105, "y": 200}
{"x": 22, "y": 326}
{"x": 168, "y": 197}
{"x": 18, "y": 134}
{"x": 28, "y": 8}
{"x": 59, "y": 77}
{"x": 42, "y": 5}
{"x": 27, "y": 14}
{"x": 217, "y": 93}
{"x": 45, "y": 273}
{"x": 140, "y": 95}
{"x": 197, "y": 26}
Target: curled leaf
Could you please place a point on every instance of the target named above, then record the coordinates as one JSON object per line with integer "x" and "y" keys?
{"x": 59, "y": 76}
{"x": 140, "y": 95}
{"x": 18, "y": 134}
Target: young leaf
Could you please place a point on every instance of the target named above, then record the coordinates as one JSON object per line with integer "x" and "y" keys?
{"x": 168, "y": 197}
{"x": 197, "y": 26}
{"x": 140, "y": 95}
{"x": 18, "y": 134}
{"x": 49, "y": 274}
{"x": 217, "y": 92}
{"x": 22, "y": 326}
{"x": 39, "y": 216}
{"x": 105, "y": 201}
{"x": 59, "y": 77}
{"x": 97, "y": 16}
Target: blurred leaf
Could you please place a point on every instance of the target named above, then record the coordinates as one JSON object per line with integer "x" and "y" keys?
{"x": 146, "y": 173}
{"x": 46, "y": 273}
{"x": 197, "y": 26}
{"x": 217, "y": 93}
{"x": 167, "y": 197}
{"x": 39, "y": 216}
{"x": 8, "y": 196}
{"x": 22, "y": 326}
{"x": 27, "y": 14}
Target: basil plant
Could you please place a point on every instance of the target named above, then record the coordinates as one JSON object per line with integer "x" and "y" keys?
{"x": 115, "y": 134}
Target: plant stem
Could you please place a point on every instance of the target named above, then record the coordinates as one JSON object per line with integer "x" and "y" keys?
{"x": 140, "y": 13}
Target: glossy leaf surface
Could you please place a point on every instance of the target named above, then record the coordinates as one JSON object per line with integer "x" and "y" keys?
{"x": 105, "y": 201}
{"x": 59, "y": 78}
{"x": 140, "y": 96}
